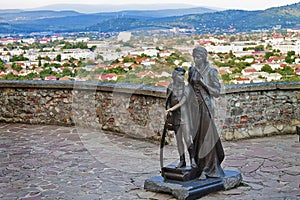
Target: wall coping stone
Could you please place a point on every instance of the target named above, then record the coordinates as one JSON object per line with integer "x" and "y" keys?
{"x": 140, "y": 89}
{"x": 251, "y": 87}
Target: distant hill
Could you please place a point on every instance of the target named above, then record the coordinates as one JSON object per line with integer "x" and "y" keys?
{"x": 286, "y": 16}
{"x": 203, "y": 20}
{"x": 91, "y": 8}
{"x": 215, "y": 22}
{"x": 16, "y": 16}
{"x": 67, "y": 20}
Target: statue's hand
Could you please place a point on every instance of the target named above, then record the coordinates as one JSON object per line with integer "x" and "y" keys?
{"x": 166, "y": 113}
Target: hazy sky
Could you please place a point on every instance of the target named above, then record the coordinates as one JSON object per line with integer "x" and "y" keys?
{"x": 228, "y": 4}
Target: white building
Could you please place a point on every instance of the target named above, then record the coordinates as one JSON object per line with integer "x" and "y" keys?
{"x": 284, "y": 48}
{"x": 273, "y": 77}
{"x": 29, "y": 40}
{"x": 124, "y": 36}
{"x": 151, "y": 52}
{"x": 82, "y": 39}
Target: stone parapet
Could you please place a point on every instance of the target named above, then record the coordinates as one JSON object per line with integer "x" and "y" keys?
{"x": 242, "y": 111}
{"x": 260, "y": 109}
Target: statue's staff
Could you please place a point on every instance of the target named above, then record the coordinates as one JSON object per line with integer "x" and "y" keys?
{"x": 162, "y": 144}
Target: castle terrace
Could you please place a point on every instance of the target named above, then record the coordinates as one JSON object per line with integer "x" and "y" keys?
{"x": 58, "y": 162}
{"x": 66, "y": 140}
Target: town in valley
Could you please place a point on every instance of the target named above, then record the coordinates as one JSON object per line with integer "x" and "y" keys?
{"x": 139, "y": 58}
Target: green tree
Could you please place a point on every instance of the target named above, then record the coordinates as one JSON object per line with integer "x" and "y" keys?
{"x": 289, "y": 59}
{"x": 71, "y": 60}
{"x": 99, "y": 57}
{"x": 78, "y": 45}
{"x": 226, "y": 78}
{"x": 230, "y": 54}
{"x": 259, "y": 48}
{"x": 29, "y": 76}
{"x": 10, "y": 76}
{"x": 58, "y": 58}
{"x": 287, "y": 71}
{"x": 291, "y": 53}
{"x": 16, "y": 67}
{"x": 66, "y": 72}
{"x": 46, "y": 72}
{"x": 18, "y": 58}
{"x": 2, "y": 67}
{"x": 267, "y": 68}
{"x": 93, "y": 48}
{"x": 47, "y": 58}
{"x": 268, "y": 55}
{"x": 118, "y": 70}
{"x": 126, "y": 60}
{"x": 232, "y": 39}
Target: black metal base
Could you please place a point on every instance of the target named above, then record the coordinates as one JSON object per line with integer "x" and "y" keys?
{"x": 188, "y": 190}
{"x": 170, "y": 172}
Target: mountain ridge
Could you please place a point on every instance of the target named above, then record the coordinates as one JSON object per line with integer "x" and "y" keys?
{"x": 202, "y": 20}
{"x": 96, "y": 8}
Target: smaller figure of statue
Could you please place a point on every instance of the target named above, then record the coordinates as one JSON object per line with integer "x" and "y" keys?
{"x": 177, "y": 113}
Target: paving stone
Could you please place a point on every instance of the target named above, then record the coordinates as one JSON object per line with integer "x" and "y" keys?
{"x": 53, "y": 162}
{"x": 252, "y": 166}
{"x": 255, "y": 186}
{"x": 233, "y": 192}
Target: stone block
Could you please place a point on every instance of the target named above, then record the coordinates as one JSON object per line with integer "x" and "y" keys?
{"x": 240, "y": 135}
{"x": 229, "y": 136}
{"x": 256, "y": 132}
{"x": 270, "y": 130}
{"x": 295, "y": 122}
{"x": 280, "y": 127}
{"x": 194, "y": 189}
{"x": 298, "y": 96}
{"x": 288, "y": 130}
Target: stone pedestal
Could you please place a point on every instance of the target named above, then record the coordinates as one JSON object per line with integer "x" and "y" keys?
{"x": 192, "y": 189}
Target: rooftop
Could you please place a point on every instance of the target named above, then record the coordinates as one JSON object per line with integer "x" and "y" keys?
{"x": 55, "y": 162}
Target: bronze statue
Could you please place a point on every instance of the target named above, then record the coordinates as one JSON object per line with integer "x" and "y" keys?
{"x": 204, "y": 80}
{"x": 178, "y": 114}
{"x": 189, "y": 109}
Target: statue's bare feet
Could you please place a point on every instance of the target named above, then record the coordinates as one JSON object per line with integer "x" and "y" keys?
{"x": 193, "y": 163}
{"x": 202, "y": 177}
{"x": 181, "y": 164}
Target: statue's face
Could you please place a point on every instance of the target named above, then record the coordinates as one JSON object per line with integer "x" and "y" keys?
{"x": 178, "y": 77}
{"x": 199, "y": 59}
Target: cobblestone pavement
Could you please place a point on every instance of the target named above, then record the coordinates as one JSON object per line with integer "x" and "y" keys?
{"x": 54, "y": 162}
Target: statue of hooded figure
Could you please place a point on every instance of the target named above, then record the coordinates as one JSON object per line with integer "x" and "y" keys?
{"x": 204, "y": 80}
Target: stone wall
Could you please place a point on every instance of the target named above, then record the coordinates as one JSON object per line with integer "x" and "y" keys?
{"x": 242, "y": 111}
{"x": 261, "y": 109}
{"x": 135, "y": 110}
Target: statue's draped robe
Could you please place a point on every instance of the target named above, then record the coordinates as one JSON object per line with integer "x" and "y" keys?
{"x": 208, "y": 147}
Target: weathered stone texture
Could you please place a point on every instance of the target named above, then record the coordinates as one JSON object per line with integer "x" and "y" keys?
{"x": 29, "y": 105}
{"x": 261, "y": 113}
{"x": 139, "y": 116}
{"x": 241, "y": 112}
{"x": 137, "y": 113}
